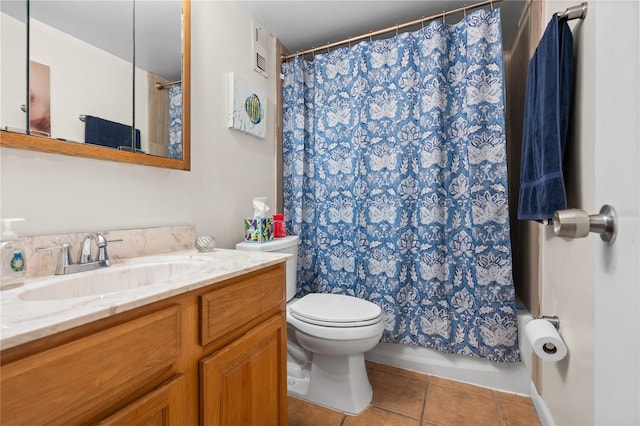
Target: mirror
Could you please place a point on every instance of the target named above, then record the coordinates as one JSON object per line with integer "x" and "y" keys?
{"x": 133, "y": 78}
{"x": 13, "y": 83}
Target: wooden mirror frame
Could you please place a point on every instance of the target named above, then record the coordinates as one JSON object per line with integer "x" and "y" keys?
{"x": 75, "y": 149}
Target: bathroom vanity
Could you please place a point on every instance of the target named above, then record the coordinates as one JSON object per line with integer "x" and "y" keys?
{"x": 205, "y": 349}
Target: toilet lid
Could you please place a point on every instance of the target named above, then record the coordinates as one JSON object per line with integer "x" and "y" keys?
{"x": 335, "y": 310}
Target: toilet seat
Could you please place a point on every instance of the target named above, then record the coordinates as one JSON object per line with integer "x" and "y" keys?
{"x": 343, "y": 333}
{"x": 335, "y": 310}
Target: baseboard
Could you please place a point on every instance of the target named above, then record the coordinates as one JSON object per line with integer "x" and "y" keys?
{"x": 544, "y": 415}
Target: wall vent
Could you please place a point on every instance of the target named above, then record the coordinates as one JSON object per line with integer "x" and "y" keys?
{"x": 259, "y": 60}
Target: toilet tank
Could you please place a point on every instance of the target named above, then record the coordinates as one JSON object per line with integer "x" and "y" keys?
{"x": 287, "y": 245}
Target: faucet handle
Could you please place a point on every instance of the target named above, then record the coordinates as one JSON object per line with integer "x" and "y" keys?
{"x": 65, "y": 256}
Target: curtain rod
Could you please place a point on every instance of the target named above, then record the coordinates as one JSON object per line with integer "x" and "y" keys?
{"x": 161, "y": 86}
{"x": 391, "y": 28}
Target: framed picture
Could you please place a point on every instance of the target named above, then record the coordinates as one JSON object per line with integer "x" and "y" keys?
{"x": 247, "y": 107}
{"x": 39, "y": 99}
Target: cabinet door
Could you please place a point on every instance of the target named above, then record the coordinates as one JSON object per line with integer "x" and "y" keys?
{"x": 245, "y": 382}
{"x": 161, "y": 407}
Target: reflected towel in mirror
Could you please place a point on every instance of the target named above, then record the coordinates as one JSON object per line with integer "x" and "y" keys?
{"x": 99, "y": 131}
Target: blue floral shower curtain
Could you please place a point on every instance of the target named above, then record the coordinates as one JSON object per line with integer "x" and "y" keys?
{"x": 395, "y": 181}
{"x": 175, "y": 121}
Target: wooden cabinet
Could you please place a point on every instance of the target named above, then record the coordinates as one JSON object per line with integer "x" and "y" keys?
{"x": 225, "y": 308}
{"x": 160, "y": 407}
{"x": 241, "y": 384}
{"x": 216, "y": 355}
{"x": 77, "y": 382}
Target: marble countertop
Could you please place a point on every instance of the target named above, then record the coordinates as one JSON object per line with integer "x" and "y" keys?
{"x": 25, "y": 320}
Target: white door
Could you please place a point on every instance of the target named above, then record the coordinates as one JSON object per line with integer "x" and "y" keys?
{"x": 617, "y": 161}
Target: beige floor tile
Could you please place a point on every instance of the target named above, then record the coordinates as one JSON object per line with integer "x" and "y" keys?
{"x": 517, "y": 414}
{"x": 398, "y": 393}
{"x": 303, "y": 413}
{"x": 449, "y": 405}
{"x": 376, "y": 417}
{"x": 402, "y": 397}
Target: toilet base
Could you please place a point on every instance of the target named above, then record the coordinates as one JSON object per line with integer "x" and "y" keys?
{"x": 337, "y": 382}
{"x": 297, "y": 379}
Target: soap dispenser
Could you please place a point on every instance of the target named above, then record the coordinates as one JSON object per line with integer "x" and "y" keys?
{"x": 13, "y": 265}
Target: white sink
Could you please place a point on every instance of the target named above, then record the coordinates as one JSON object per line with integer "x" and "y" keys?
{"x": 120, "y": 277}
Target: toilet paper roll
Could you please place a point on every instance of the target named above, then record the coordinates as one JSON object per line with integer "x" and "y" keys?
{"x": 545, "y": 340}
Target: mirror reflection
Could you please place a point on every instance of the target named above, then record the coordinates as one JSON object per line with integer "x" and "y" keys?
{"x": 13, "y": 60}
{"x": 84, "y": 78}
{"x": 105, "y": 73}
{"x": 158, "y": 79}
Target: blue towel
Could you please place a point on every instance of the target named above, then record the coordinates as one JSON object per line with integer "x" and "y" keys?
{"x": 99, "y": 131}
{"x": 546, "y": 122}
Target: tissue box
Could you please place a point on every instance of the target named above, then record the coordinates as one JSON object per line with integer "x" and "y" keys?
{"x": 258, "y": 229}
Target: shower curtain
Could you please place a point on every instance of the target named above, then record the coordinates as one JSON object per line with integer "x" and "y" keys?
{"x": 175, "y": 121}
{"x": 395, "y": 181}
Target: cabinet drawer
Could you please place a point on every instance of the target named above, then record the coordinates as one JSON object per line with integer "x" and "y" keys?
{"x": 161, "y": 407}
{"x": 76, "y": 382}
{"x": 236, "y": 304}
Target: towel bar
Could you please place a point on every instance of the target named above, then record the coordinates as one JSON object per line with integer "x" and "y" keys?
{"x": 575, "y": 12}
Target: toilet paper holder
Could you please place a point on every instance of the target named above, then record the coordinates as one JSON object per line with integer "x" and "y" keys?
{"x": 550, "y": 347}
{"x": 554, "y": 320}
{"x": 576, "y": 223}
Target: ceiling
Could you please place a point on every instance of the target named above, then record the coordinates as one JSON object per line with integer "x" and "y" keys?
{"x": 303, "y": 24}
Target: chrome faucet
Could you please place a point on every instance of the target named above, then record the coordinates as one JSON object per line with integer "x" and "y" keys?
{"x": 85, "y": 260}
{"x": 85, "y": 251}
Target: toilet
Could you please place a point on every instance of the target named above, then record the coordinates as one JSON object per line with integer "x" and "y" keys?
{"x": 327, "y": 336}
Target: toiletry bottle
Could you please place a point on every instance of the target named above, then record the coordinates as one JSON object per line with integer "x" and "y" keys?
{"x": 13, "y": 266}
{"x": 279, "y": 228}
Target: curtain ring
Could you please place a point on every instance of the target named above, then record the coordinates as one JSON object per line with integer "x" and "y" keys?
{"x": 396, "y": 30}
{"x": 464, "y": 10}
{"x": 444, "y": 19}
{"x": 370, "y": 36}
{"x": 492, "y": 5}
{"x": 422, "y": 22}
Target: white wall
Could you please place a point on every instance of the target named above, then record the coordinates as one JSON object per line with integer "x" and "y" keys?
{"x": 60, "y": 194}
{"x": 593, "y": 288}
{"x": 84, "y": 80}
{"x": 13, "y": 77}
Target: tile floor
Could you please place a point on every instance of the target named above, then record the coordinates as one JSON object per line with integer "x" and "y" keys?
{"x": 403, "y": 398}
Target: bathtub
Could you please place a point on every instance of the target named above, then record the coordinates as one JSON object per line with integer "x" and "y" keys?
{"x": 506, "y": 377}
